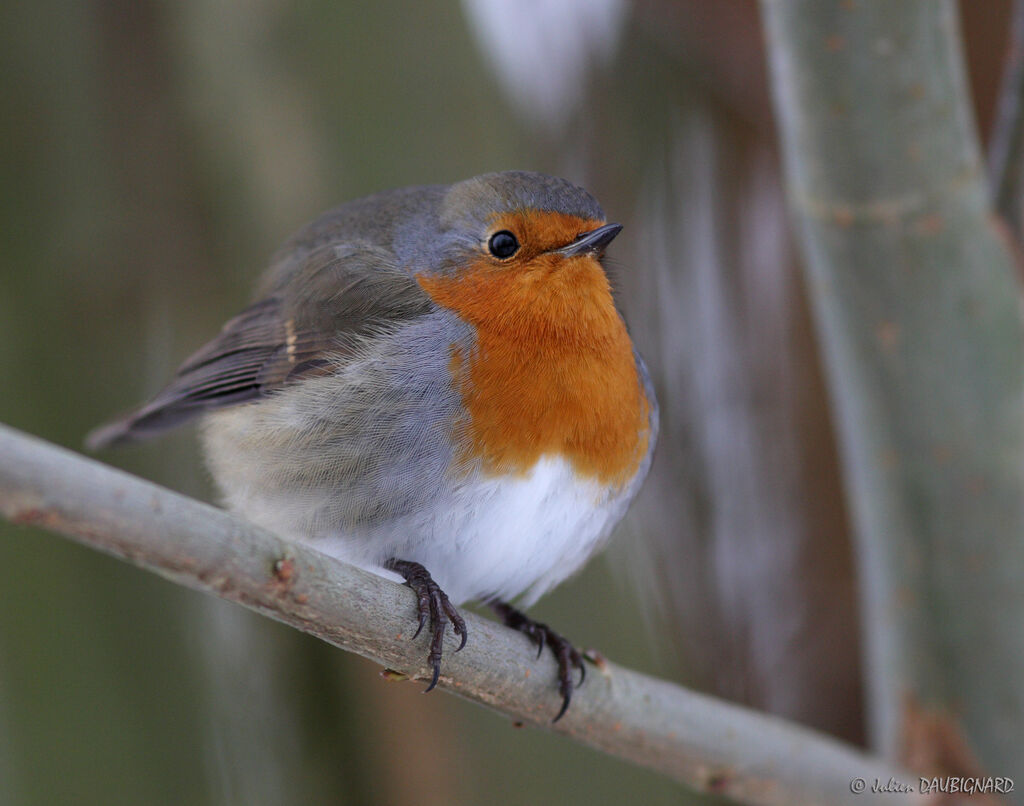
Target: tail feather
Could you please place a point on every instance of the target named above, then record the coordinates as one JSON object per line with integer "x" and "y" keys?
{"x": 145, "y": 423}
{"x": 118, "y": 432}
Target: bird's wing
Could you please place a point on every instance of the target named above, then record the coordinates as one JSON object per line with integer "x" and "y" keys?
{"x": 337, "y": 297}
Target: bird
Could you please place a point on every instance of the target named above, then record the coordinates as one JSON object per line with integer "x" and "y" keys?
{"x": 434, "y": 384}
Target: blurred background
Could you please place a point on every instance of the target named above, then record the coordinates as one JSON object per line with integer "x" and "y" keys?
{"x": 155, "y": 154}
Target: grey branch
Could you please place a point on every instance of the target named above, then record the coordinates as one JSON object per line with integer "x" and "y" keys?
{"x": 708, "y": 744}
{"x": 918, "y": 311}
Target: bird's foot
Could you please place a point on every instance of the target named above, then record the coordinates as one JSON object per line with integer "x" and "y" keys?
{"x": 568, "y": 657}
{"x": 433, "y": 606}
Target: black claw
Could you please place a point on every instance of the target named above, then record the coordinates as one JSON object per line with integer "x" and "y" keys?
{"x": 458, "y": 623}
{"x": 433, "y": 606}
{"x": 565, "y": 653}
{"x": 566, "y": 699}
{"x": 433, "y": 680}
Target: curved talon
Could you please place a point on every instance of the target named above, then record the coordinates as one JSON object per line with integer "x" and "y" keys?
{"x": 458, "y": 623}
{"x": 423, "y": 621}
{"x": 432, "y": 604}
{"x": 565, "y": 653}
{"x": 433, "y": 680}
{"x": 566, "y": 699}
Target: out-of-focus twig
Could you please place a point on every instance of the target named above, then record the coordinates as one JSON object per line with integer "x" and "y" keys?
{"x": 1006, "y": 148}
{"x": 710, "y": 745}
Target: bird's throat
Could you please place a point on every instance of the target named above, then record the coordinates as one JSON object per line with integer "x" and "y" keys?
{"x": 552, "y": 372}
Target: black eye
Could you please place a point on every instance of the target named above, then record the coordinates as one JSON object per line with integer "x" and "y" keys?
{"x": 503, "y": 244}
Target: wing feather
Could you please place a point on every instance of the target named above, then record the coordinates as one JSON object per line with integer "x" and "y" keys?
{"x": 336, "y": 297}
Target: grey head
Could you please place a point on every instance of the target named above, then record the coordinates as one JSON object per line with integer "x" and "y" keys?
{"x": 432, "y": 227}
{"x": 468, "y": 205}
{"x": 466, "y": 213}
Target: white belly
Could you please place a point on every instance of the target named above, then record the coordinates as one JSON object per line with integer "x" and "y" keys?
{"x": 488, "y": 537}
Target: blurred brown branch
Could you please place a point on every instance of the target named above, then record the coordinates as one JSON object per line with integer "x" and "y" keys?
{"x": 1006, "y": 152}
{"x": 710, "y": 745}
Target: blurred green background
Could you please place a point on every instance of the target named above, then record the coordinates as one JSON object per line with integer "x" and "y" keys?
{"x": 156, "y": 153}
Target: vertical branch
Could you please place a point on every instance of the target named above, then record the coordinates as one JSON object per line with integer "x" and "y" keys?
{"x": 918, "y": 312}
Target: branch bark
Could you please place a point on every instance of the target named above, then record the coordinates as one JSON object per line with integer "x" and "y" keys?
{"x": 711, "y": 745}
{"x": 919, "y": 313}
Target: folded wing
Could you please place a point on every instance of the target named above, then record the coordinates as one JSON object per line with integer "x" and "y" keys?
{"x": 334, "y": 299}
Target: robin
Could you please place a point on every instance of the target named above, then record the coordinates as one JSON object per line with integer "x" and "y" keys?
{"x": 433, "y": 382}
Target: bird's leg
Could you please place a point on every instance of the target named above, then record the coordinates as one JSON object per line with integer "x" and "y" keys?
{"x": 434, "y": 606}
{"x": 566, "y": 654}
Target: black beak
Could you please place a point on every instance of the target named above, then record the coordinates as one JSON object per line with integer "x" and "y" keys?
{"x": 591, "y": 243}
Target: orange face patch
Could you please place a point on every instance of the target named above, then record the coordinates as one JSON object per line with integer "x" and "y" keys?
{"x": 542, "y": 230}
{"x": 553, "y": 372}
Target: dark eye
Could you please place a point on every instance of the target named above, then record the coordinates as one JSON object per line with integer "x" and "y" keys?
{"x": 503, "y": 244}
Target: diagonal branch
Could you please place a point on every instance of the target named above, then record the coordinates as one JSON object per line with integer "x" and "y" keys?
{"x": 708, "y": 744}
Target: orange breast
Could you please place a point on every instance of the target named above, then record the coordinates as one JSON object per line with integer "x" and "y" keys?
{"x": 552, "y": 373}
